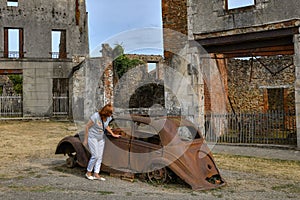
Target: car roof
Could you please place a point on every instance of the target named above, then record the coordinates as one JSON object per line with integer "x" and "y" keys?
{"x": 178, "y": 120}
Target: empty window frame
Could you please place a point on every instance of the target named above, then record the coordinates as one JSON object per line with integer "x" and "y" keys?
{"x": 59, "y": 49}
{"x": 13, "y": 43}
{"x": 151, "y": 67}
{"x": 276, "y": 98}
{"x": 233, "y": 4}
{"x": 146, "y": 133}
{"x": 13, "y": 3}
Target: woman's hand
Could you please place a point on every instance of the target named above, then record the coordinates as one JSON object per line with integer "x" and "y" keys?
{"x": 115, "y": 135}
{"x": 112, "y": 133}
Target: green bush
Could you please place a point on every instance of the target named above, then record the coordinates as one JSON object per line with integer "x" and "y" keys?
{"x": 17, "y": 82}
{"x": 122, "y": 63}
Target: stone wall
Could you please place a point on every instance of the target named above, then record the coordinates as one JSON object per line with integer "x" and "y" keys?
{"x": 174, "y": 17}
{"x": 211, "y": 16}
{"x": 38, "y": 18}
{"x": 249, "y": 79}
{"x": 94, "y": 86}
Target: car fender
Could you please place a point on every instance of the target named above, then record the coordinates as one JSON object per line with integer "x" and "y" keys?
{"x": 200, "y": 183}
{"x": 70, "y": 145}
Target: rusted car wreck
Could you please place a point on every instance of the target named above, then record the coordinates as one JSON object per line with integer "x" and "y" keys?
{"x": 155, "y": 147}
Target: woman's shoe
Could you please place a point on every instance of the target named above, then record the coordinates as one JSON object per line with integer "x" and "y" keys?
{"x": 89, "y": 177}
{"x": 99, "y": 178}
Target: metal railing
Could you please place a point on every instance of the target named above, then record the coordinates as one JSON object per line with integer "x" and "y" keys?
{"x": 14, "y": 54}
{"x": 54, "y": 54}
{"x": 273, "y": 127}
{"x": 58, "y": 55}
{"x": 11, "y": 106}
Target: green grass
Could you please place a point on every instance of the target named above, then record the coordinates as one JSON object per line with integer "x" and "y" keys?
{"x": 33, "y": 188}
{"x": 288, "y": 188}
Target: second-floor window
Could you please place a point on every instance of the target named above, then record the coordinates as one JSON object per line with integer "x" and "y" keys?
{"x": 13, "y": 3}
{"x": 13, "y": 43}
{"x": 59, "y": 47}
{"x": 233, "y": 4}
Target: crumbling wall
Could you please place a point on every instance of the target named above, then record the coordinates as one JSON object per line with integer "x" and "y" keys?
{"x": 174, "y": 17}
{"x": 248, "y": 80}
{"x": 94, "y": 86}
{"x": 210, "y": 16}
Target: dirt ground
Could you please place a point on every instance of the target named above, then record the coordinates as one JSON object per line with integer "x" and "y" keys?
{"x": 30, "y": 170}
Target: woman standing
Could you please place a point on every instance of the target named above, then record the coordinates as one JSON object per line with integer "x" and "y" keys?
{"x": 94, "y": 139}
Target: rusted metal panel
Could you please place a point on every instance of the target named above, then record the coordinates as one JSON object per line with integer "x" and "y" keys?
{"x": 225, "y": 39}
{"x": 71, "y": 144}
{"x": 10, "y": 71}
{"x": 284, "y": 27}
{"x": 243, "y": 45}
{"x": 264, "y": 51}
{"x": 264, "y": 40}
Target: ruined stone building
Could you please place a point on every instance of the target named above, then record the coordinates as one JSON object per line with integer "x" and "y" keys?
{"x": 218, "y": 59}
{"x": 255, "y": 47}
{"x": 46, "y": 74}
{"x": 56, "y": 82}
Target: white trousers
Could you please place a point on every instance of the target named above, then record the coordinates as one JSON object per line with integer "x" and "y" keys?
{"x": 96, "y": 148}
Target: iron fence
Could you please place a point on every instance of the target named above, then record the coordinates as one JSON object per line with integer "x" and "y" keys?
{"x": 54, "y": 54}
{"x": 273, "y": 127}
{"x": 11, "y": 106}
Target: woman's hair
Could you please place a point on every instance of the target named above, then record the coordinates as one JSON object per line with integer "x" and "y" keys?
{"x": 106, "y": 111}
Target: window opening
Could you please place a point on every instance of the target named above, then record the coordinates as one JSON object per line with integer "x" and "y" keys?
{"x": 151, "y": 67}
{"x": 233, "y": 4}
{"x": 60, "y": 92}
{"x": 146, "y": 133}
{"x": 58, "y": 44}
{"x": 122, "y": 127}
{"x": 187, "y": 133}
{"x": 13, "y": 43}
{"x": 13, "y": 3}
{"x": 276, "y": 99}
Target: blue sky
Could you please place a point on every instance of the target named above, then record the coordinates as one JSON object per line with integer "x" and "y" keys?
{"x": 135, "y": 24}
{"x": 239, "y": 3}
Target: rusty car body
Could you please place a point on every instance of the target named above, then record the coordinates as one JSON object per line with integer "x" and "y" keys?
{"x": 156, "y": 147}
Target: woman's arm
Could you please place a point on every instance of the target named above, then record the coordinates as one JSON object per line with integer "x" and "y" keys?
{"x": 86, "y": 132}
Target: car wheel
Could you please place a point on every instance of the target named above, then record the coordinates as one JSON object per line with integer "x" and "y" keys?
{"x": 158, "y": 175}
{"x": 71, "y": 161}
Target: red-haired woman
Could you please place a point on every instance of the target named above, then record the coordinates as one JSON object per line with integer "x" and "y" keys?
{"x": 94, "y": 139}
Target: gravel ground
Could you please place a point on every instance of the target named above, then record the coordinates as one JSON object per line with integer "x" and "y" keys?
{"x": 51, "y": 179}
{"x": 260, "y": 151}
{"x": 30, "y": 170}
